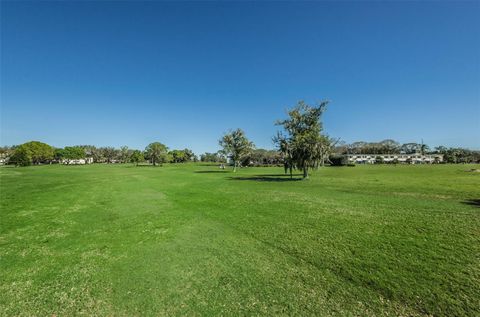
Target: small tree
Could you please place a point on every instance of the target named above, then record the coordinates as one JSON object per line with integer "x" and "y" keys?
{"x": 286, "y": 151}
{"x": 136, "y": 157}
{"x": 236, "y": 146}
{"x": 156, "y": 152}
{"x": 124, "y": 154}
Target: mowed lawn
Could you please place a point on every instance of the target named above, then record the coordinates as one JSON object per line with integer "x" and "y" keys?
{"x": 194, "y": 240}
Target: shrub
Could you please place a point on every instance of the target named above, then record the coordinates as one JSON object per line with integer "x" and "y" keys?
{"x": 336, "y": 160}
{"x": 379, "y": 160}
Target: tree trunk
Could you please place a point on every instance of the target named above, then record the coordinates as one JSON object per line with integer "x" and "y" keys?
{"x": 305, "y": 172}
{"x": 234, "y": 166}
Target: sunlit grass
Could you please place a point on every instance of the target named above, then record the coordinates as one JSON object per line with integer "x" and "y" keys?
{"x": 195, "y": 240}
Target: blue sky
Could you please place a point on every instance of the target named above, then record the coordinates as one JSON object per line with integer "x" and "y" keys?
{"x": 130, "y": 73}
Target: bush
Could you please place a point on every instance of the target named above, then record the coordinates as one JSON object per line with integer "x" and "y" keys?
{"x": 338, "y": 160}
{"x": 379, "y": 160}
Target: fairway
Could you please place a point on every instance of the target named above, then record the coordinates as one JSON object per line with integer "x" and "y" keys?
{"x": 191, "y": 239}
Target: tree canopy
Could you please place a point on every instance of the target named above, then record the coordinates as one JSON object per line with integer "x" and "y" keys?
{"x": 71, "y": 153}
{"x": 156, "y": 152}
{"x": 136, "y": 157}
{"x": 181, "y": 156}
{"x": 301, "y": 142}
{"x": 33, "y": 152}
{"x": 212, "y": 157}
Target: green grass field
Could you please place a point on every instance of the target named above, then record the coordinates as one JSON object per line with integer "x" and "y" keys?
{"x": 193, "y": 240}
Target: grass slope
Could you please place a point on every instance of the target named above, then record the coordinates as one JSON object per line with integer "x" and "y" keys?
{"x": 193, "y": 240}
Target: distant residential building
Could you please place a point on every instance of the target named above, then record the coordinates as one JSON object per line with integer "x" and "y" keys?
{"x": 83, "y": 161}
{"x": 395, "y": 158}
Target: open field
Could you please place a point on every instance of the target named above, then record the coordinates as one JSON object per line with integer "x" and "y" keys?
{"x": 193, "y": 240}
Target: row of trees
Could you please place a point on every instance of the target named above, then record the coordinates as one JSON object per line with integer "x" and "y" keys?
{"x": 35, "y": 152}
{"x": 254, "y": 157}
{"x": 450, "y": 155}
{"x": 458, "y": 155}
{"x": 217, "y": 157}
{"x": 262, "y": 157}
{"x": 301, "y": 145}
{"x": 387, "y": 146}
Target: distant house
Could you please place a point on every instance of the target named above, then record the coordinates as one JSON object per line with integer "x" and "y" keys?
{"x": 395, "y": 158}
{"x": 83, "y": 161}
{"x": 4, "y": 157}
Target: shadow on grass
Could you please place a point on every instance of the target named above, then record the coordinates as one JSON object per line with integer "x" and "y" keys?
{"x": 135, "y": 166}
{"x": 472, "y": 202}
{"x": 208, "y": 164}
{"x": 277, "y": 175}
{"x": 207, "y": 172}
{"x": 265, "y": 178}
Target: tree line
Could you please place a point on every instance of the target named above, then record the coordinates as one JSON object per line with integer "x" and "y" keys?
{"x": 300, "y": 145}
{"x": 389, "y": 146}
{"x": 35, "y": 152}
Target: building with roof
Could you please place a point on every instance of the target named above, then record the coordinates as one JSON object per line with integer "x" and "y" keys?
{"x": 415, "y": 158}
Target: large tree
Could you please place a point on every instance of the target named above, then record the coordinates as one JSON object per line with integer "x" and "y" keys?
{"x": 156, "y": 152}
{"x": 303, "y": 144}
{"x": 236, "y": 146}
{"x": 33, "y": 152}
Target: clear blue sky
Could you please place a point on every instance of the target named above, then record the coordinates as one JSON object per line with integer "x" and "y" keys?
{"x": 130, "y": 73}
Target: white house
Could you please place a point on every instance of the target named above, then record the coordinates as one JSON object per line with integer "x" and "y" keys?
{"x": 83, "y": 161}
{"x": 391, "y": 158}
